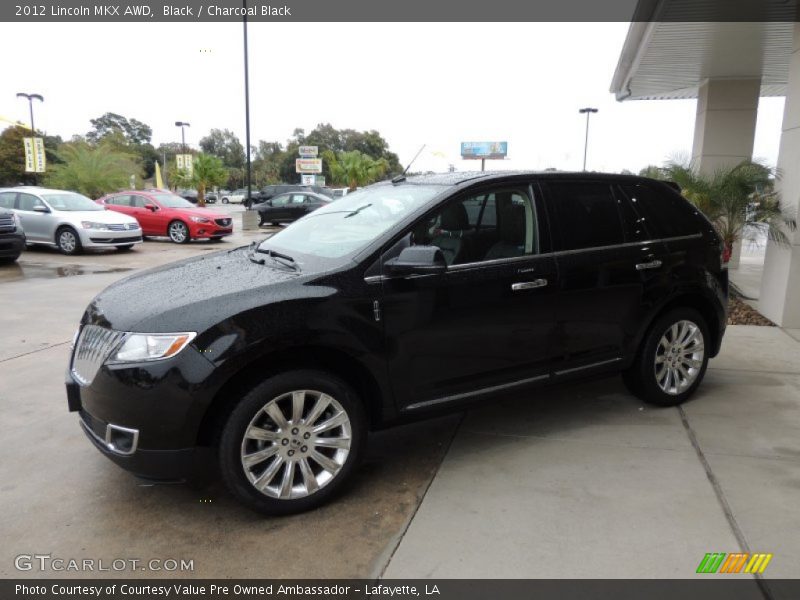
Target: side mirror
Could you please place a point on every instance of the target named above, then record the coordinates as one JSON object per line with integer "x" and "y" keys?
{"x": 41, "y": 209}
{"x": 151, "y": 207}
{"x": 418, "y": 260}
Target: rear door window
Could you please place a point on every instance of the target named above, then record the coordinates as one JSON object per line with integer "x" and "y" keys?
{"x": 665, "y": 213}
{"x": 588, "y": 214}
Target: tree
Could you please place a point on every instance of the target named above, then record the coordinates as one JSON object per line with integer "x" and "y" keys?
{"x": 207, "y": 171}
{"x": 12, "y": 156}
{"x": 735, "y": 199}
{"x": 224, "y": 144}
{"x": 135, "y": 132}
{"x": 355, "y": 169}
{"x": 93, "y": 170}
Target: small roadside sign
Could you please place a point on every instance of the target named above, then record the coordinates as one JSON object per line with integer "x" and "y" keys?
{"x": 308, "y": 165}
{"x": 308, "y": 179}
{"x": 308, "y": 151}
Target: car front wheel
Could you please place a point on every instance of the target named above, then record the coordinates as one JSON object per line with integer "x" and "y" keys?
{"x": 178, "y": 232}
{"x": 68, "y": 241}
{"x": 292, "y": 442}
{"x": 672, "y": 360}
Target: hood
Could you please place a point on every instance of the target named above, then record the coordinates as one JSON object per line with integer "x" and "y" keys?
{"x": 98, "y": 216}
{"x": 192, "y": 294}
{"x": 202, "y": 212}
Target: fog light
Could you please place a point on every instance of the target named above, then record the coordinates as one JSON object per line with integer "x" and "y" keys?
{"x": 121, "y": 439}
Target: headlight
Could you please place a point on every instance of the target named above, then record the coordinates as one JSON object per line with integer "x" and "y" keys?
{"x": 93, "y": 225}
{"x": 200, "y": 220}
{"x": 139, "y": 347}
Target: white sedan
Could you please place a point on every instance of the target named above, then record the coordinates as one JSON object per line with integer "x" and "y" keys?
{"x": 234, "y": 197}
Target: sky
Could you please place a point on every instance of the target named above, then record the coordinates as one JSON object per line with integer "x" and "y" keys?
{"x": 437, "y": 84}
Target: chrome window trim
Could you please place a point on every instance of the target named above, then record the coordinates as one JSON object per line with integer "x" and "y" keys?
{"x": 556, "y": 254}
{"x": 486, "y": 390}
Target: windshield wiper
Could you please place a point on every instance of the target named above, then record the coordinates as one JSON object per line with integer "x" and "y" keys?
{"x": 356, "y": 211}
{"x": 282, "y": 259}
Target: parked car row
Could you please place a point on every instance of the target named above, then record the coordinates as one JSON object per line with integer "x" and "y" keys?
{"x": 72, "y": 222}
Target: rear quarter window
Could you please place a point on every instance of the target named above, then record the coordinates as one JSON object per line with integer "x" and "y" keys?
{"x": 587, "y": 213}
{"x": 665, "y": 212}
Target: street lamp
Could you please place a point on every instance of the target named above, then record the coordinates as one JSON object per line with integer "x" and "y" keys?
{"x": 31, "y": 98}
{"x": 181, "y": 124}
{"x": 588, "y": 112}
{"x": 249, "y": 200}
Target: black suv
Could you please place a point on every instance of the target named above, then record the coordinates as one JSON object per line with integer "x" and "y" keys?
{"x": 394, "y": 303}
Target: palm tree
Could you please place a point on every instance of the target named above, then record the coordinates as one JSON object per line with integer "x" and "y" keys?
{"x": 737, "y": 200}
{"x": 355, "y": 169}
{"x": 207, "y": 171}
{"x": 92, "y": 170}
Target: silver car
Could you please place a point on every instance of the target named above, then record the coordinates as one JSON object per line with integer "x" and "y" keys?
{"x": 69, "y": 221}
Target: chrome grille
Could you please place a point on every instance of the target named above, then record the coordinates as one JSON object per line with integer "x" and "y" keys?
{"x": 93, "y": 347}
{"x": 7, "y": 223}
{"x": 121, "y": 227}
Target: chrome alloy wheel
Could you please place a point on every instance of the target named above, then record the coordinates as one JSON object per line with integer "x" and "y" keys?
{"x": 296, "y": 444}
{"x": 178, "y": 232}
{"x": 679, "y": 357}
{"x": 67, "y": 241}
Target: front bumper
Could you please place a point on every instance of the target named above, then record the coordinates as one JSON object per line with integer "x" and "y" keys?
{"x": 101, "y": 238}
{"x": 11, "y": 244}
{"x": 146, "y": 417}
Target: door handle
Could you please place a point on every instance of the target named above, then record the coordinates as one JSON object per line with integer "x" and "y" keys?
{"x": 528, "y": 285}
{"x": 653, "y": 264}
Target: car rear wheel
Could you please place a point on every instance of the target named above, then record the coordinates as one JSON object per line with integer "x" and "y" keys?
{"x": 672, "y": 360}
{"x": 225, "y": 201}
{"x": 68, "y": 241}
{"x": 292, "y": 442}
{"x": 178, "y": 232}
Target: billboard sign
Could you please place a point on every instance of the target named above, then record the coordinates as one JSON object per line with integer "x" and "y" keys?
{"x": 488, "y": 150}
{"x": 308, "y": 179}
{"x": 308, "y": 165}
{"x": 308, "y": 151}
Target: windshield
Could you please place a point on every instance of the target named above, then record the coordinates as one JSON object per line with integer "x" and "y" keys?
{"x": 70, "y": 201}
{"x": 172, "y": 201}
{"x": 346, "y": 226}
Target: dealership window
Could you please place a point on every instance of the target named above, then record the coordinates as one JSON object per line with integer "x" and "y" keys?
{"x": 588, "y": 214}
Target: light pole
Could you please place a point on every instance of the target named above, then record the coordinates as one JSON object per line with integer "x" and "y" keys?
{"x": 588, "y": 111}
{"x": 248, "y": 200}
{"x": 181, "y": 124}
{"x": 31, "y": 98}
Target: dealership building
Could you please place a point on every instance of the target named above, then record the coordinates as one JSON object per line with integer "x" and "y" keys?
{"x": 727, "y": 67}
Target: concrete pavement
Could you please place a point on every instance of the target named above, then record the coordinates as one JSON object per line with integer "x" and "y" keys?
{"x": 585, "y": 482}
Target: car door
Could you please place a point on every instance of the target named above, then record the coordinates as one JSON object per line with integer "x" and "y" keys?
{"x": 486, "y": 324}
{"x": 38, "y": 226}
{"x": 149, "y": 219}
{"x": 607, "y": 262}
{"x": 298, "y": 206}
{"x": 279, "y": 208}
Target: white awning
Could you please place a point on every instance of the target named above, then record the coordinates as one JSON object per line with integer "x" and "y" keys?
{"x": 668, "y": 59}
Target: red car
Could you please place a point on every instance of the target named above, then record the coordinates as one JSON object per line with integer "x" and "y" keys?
{"x": 160, "y": 212}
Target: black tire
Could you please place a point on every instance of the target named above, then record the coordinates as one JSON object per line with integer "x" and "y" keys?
{"x": 7, "y": 260}
{"x": 68, "y": 241}
{"x": 125, "y": 247}
{"x": 216, "y": 239}
{"x": 174, "y": 229}
{"x": 277, "y": 391}
{"x": 642, "y": 376}
{"x": 225, "y": 201}
{"x": 276, "y": 224}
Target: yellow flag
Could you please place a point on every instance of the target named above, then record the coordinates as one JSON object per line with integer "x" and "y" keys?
{"x": 159, "y": 181}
